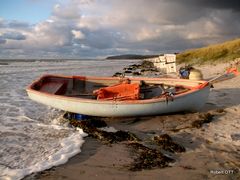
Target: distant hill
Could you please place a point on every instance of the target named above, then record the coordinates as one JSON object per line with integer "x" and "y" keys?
{"x": 223, "y": 52}
{"x": 131, "y": 56}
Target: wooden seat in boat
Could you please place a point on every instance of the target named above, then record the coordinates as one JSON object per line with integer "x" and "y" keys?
{"x": 54, "y": 87}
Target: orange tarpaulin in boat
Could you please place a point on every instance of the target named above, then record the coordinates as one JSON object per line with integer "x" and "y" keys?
{"x": 119, "y": 92}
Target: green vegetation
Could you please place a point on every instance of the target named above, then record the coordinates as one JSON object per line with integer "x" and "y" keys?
{"x": 223, "y": 52}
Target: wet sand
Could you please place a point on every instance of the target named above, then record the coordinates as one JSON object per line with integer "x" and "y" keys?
{"x": 212, "y": 150}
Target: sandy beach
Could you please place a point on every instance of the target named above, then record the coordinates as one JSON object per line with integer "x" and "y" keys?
{"x": 212, "y": 150}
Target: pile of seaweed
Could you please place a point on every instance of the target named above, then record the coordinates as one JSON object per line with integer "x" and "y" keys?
{"x": 149, "y": 158}
{"x": 166, "y": 143}
{"x": 91, "y": 127}
{"x": 144, "y": 156}
{"x": 203, "y": 119}
{"x": 191, "y": 120}
{"x": 145, "y": 68}
{"x": 131, "y": 56}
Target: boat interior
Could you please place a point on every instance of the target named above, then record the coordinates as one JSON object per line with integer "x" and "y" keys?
{"x": 110, "y": 88}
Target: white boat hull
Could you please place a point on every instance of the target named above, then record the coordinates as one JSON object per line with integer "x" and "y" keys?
{"x": 186, "y": 102}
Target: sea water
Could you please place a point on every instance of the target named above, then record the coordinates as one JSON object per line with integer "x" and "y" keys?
{"x": 32, "y": 138}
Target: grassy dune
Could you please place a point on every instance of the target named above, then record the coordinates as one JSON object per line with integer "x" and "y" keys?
{"x": 223, "y": 52}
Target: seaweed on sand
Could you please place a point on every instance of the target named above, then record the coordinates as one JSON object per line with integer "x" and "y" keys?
{"x": 144, "y": 157}
{"x": 166, "y": 143}
{"x": 107, "y": 137}
{"x": 203, "y": 118}
{"x": 147, "y": 158}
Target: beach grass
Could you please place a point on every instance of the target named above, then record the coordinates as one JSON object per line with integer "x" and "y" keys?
{"x": 211, "y": 54}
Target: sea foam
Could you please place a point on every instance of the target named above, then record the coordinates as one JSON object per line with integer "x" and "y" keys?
{"x": 70, "y": 146}
{"x": 31, "y": 137}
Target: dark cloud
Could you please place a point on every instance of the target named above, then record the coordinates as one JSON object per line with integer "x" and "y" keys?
{"x": 18, "y": 25}
{"x": 220, "y": 4}
{"x": 99, "y": 39}
{"x": 214, "y": 4}
{"x": 14, "y": 24}
{"x": 2, "y": 41}
{"x": 14, "y": 36}
{"x": 2, "y": 23}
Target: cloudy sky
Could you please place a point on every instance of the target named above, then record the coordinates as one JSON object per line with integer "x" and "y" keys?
{"x": 97, "y": 28}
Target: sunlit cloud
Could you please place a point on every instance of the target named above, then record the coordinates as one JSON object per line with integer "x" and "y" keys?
{"x": 78, "y": 34}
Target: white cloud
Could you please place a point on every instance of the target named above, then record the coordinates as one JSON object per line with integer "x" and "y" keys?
{"x": 66, "y": 12}
{"x": 78, "y": 34}
{"x": 82, "y": 28}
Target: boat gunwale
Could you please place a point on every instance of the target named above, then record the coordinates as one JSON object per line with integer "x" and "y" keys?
{"x": 30, "y": 89}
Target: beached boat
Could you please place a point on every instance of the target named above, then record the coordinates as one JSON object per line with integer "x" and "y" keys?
{"x": 119, "y": 97}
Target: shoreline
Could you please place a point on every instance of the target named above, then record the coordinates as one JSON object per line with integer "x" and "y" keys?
{"x": 206, "y": 156}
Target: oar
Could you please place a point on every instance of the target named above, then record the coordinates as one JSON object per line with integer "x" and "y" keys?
{"x": 229, "y": 74}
